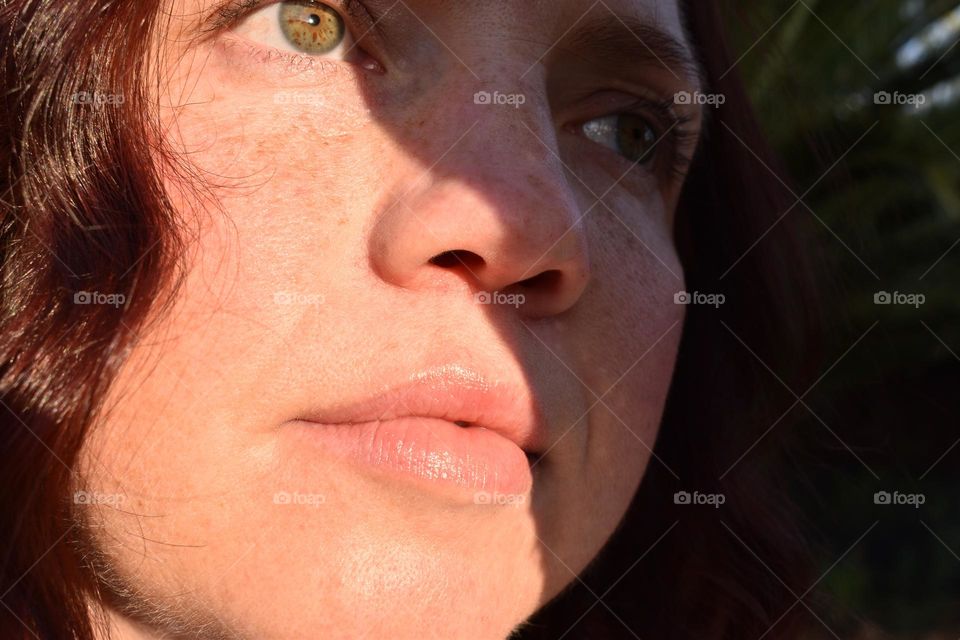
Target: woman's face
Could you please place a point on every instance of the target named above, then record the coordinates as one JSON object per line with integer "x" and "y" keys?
{"x": 412, "y": 379}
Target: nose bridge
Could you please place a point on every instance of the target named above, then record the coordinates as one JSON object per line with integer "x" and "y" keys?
{"x": 496, "y": 148}
{"x": 506, "y": 162}
{"x": 518, "y": 119}
{"x": 510, "y": 163}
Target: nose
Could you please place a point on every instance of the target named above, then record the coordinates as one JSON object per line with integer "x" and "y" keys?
{"x": 501, "y": 217}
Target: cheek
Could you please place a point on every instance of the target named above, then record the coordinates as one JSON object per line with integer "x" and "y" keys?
{"x": 634, "y": 324}
{"x": 621, "y": 340}
{"x": 634, "y": 353}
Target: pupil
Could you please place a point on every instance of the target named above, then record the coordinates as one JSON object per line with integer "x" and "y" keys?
{"x": 313, "y": 20}
{"x": 636, "y": 140}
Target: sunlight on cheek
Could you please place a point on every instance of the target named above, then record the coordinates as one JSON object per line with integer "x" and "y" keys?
{"x": 391, "y": 570}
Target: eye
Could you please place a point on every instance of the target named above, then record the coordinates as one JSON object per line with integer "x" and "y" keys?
{"x": 306, "y": 27}
{"x": 628, "y": 134}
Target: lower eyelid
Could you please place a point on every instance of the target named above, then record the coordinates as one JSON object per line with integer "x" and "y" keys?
{"x": 276, "y": 62}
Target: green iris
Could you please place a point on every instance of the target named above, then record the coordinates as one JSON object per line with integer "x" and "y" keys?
{"x": 635, "y": 138}
{"x": 312, "y": 27}
{"x": 628, "y": 134}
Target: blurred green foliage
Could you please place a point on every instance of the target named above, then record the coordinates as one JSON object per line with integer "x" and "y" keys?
{"x": 886, "y": 217}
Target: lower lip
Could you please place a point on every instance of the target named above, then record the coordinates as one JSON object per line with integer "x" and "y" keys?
{"x": 432, "y": 451}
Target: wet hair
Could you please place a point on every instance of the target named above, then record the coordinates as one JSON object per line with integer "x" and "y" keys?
{"x": 84, "y": 212}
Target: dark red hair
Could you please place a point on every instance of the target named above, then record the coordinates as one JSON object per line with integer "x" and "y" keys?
{"x": 82, "y": 211}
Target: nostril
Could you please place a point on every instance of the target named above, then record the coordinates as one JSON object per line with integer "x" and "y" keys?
{"x": 457, "y": 258}
{"x": 446, "y": 259}
{"x": 547, "y": 281}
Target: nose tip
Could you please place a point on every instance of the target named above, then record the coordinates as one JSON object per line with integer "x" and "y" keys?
{"x": 520, "y": 242}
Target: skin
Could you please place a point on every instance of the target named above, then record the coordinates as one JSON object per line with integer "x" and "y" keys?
{"x": 339, "y": 193}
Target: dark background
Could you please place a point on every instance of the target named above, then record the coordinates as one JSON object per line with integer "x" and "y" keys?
{"x": 879, "y": 186}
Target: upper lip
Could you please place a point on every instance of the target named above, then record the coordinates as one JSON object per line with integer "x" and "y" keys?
{"x": 454, "y": 393}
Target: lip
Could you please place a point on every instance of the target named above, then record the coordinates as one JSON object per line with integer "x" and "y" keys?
{"x": 447, "y": 426}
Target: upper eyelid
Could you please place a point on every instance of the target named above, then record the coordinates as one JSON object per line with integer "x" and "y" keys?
{"x": 666, "y": 117}
{"x": 657, "y": 111}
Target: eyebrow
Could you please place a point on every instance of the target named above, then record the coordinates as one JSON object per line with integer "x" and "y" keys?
{"x": 618, "y": 38}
